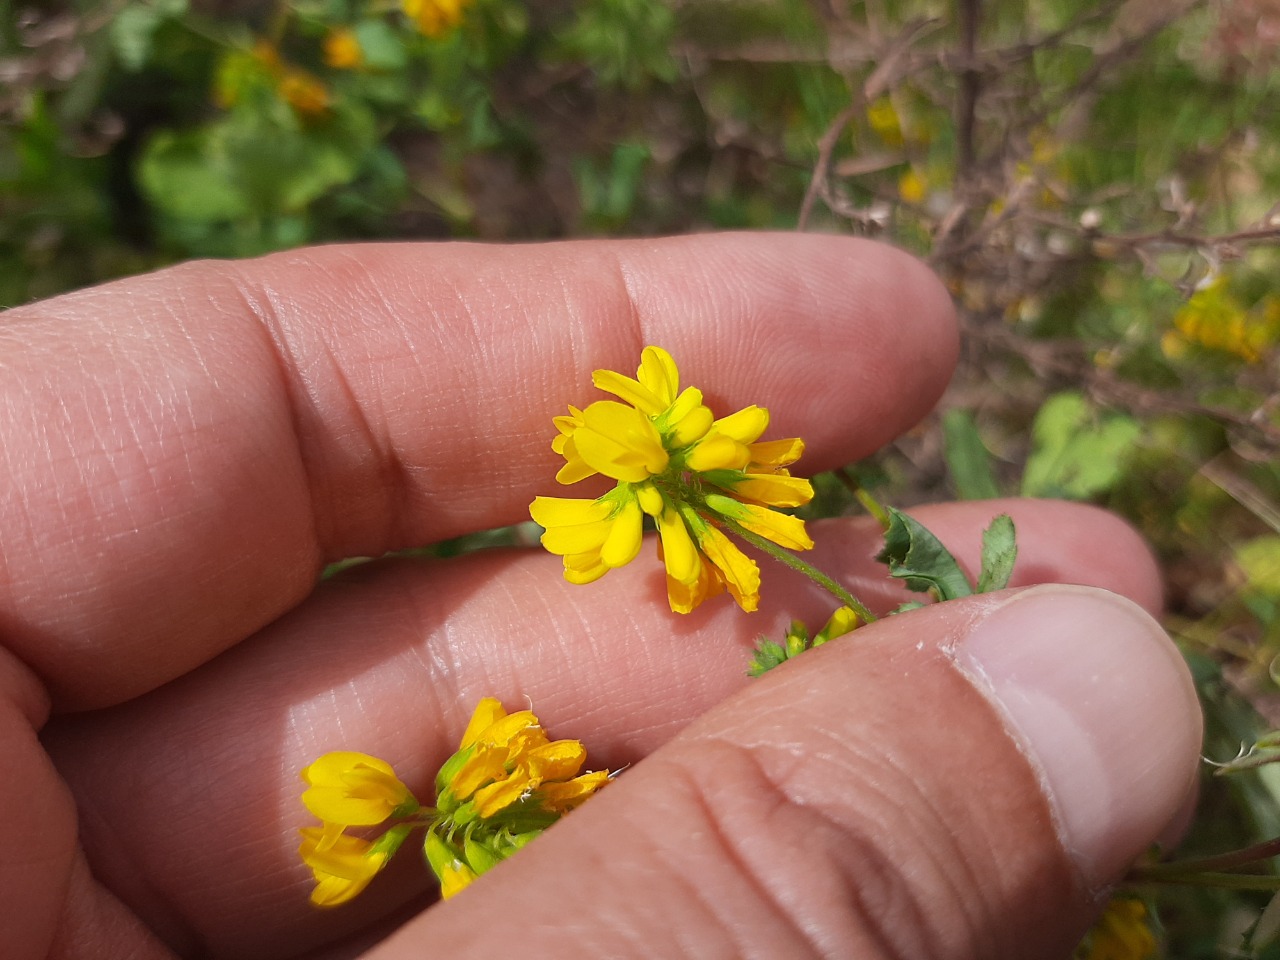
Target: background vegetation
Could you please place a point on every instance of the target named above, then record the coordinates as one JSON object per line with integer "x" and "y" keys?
{"x": 1097, "y": 182}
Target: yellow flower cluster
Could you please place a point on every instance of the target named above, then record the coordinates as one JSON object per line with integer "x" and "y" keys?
{"x": 1216, "y": 319}
{"x": 349, "y": 789}
{"x": 675, "y": 462}
{"x": 1121, "y": 933}
{"x": 434, "y": 18}
{"x": 302, "y": 90}
{"x": 506, "y": 784}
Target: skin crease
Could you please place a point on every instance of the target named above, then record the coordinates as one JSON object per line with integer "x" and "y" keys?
{"x": 219, "y": 431}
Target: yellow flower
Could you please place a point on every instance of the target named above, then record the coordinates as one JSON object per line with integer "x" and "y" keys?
{"x": 1121, "y": 933}
{"x": 1216, "y": 319}
{"x": 342, "y": 49}
{"x": 342, "y": 866}
{"x": 506, "y": 783}
{"x": 504, "y": 759}
{"x": 434, "y": 18}
{"x": 884, "y": 120}
{"x": 305, "y": 93}
{"x": 673, "y": 461}
{"x": 354, "y": 789}
{"x": 913, "y": 186}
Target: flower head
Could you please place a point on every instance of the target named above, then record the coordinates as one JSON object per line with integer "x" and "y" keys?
{"x": 507, "y": 783}
{"x": 673, "y": 461}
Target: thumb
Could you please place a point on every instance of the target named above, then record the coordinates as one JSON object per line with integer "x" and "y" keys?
{"x": 962, "y": 781}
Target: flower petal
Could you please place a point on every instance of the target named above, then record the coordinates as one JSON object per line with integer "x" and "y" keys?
{"x": 632, "y": 391}
{"x": 659, "y": 374}
{"x": 679, "y": 553}
{"x": 620, "y": 442}
{"x": 563, "y": 797}
{"x": 773, "y": 490}
{"x": 558, "y": 760}
{"x": 775, "y": 453}
{"x": 487, "y": 712}
{"x": 568, "y": 511}
{"x": 746, "y": 425}
{"x": 784, "y": 530}
{"x": 718, "y": 452}
{"x": 625, "y": 536}
{"x": 738, "y": 571}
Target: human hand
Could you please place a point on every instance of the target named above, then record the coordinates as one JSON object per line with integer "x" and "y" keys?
{"x": 183, "y": 452}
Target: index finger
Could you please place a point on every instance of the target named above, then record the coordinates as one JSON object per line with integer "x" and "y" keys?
{"x": 185, "y": 450}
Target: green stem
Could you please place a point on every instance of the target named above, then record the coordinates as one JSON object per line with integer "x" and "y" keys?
{"x": 1223, "y": 861}
{"x": 1222, "y": 881}
{"x": 795, "y": 563}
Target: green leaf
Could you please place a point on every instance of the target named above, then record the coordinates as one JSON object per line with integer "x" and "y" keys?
{"x": 133, "y": 30}
{"x": 999, "y": 551}
{"x": 131, "y": 34}
{"x": 917, "y": 557}
{"x": 182, "y": 175}
{"x": 380, "y": 45}
{"x": 1259, "y": 561}
{"x": 1077, "y": 452}
{"x": 967, "y": 457}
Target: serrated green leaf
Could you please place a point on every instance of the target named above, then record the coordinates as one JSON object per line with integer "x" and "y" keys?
{"x": 967, "y": 458}
{"x": 918, "y": 558}
{"x": 999, "y": 552}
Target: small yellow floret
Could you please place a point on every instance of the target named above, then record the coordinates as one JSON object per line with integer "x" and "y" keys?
{"x": 342, "y": 49}
{"x": 672, "y": 461}
{"x": 353, "y": 789}
{"x": 342, "y": 867}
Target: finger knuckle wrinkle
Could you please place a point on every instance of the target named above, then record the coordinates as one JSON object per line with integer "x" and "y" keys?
{"x": 827, "y": 857}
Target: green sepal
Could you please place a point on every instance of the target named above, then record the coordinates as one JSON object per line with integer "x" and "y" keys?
{"x": 465, "y": 813}
{"x": 450, "y": 770}
{"x": 517, "y": 840}
{"x": 766, "y": 656}
{"x": 480, "y": 856}
{"x": 440, "y": 853}
{"x": 390, "y": 841}
{"x": 999, "y": 551}
{"x": 918, "y": 558}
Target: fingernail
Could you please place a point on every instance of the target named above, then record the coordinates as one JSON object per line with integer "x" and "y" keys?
{"x": 1103, "y": 707}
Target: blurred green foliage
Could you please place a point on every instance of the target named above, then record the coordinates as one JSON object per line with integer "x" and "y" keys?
{"x": 1097, "y": 183}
